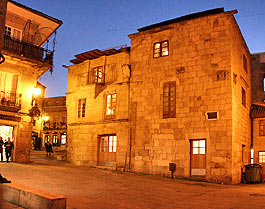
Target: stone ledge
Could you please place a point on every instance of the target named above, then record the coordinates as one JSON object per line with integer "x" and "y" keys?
{"x": 31, "y": 198}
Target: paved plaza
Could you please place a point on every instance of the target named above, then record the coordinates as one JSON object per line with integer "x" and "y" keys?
{"x": 86, "y": 187}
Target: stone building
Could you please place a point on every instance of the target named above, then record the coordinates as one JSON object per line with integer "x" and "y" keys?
{"x": 181, "y": 94}
{"x": 258, "y": 108}
{"x": 54, "y": 129}
{"x": 26, "y": 30}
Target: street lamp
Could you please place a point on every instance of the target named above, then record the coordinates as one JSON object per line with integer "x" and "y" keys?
{"x": 35, "y": 111}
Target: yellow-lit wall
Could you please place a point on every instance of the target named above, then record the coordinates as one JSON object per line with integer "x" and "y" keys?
{"x": 83, "y": 132}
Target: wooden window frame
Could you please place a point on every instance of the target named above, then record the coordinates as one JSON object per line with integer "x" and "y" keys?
{"x": 108, "y": 146}
{"x": 244, "y": 97}
{"x": 99, "y": 75}
{"x": 81, "y": 109}
{"x": 262, "y": 156}
{"x": 245, "y": 63}
{"x": 11, "y": 33}
{"x": 169, "y": 99}
{"x": 159, "y": 52}
{"x": 111, "y": 105}
{"x": 261, "y": 127}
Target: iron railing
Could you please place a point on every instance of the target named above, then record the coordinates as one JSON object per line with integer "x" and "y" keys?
{"x": 10, "y": 101}
{"x": 28, "y": 50}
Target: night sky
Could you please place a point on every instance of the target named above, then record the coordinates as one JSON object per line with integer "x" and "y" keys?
{"x": 101, "y": 24}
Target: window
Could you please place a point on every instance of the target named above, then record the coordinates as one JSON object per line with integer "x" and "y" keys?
{"x": 198, "y": 147}
{"x": 81, "y": 108}
{"x": 111, "y": 106}
{"x": 261, "y": 128}
{"x": 261, "y": 157}
{"x": 108, "y": 143}
{"x": 99, "y": 75}
{"x": 57, "y": 103}
{"x": 211, "y": 115}
{"x": 63, "y": 139}
{"x": 161, "y": 49}
{"x": 243, "y": 97}
{"x": 64, "y": 103}
{"x": 49, "y": 104}
{"x": 169, "y": 100}
{"x": 13, "y": 33}
{"x": 245, "y": 63}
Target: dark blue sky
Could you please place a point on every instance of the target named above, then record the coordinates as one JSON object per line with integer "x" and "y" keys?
{"x": 100, "y": 24}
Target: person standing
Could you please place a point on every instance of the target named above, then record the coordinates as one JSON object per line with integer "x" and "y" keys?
{"x": 1, "y": 147}
{"x": 8, "y": 148}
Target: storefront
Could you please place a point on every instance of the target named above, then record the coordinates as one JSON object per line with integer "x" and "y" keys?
{"x": 6, "y": 132}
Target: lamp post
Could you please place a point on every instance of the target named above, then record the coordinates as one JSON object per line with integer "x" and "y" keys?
{"x": 35, "y": 111}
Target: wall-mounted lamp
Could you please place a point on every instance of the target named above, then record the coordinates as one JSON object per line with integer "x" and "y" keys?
{"x": 36, "y": 92}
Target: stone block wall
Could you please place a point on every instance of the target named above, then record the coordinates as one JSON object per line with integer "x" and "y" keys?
{"x": 241, "y": 123}
{"x": 83, "y": 132}
{"x": 202, "y": 49}
{"x": 257, "y": 77}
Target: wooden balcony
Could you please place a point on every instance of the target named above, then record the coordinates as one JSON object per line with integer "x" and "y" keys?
{"x": 28, "y": 50}
{"x": 10, "y": 101}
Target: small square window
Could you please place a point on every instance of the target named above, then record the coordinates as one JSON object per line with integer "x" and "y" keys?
{"x": 161, "y": 49}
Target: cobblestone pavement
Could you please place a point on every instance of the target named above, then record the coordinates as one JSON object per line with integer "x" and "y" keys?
{"x": 86, "y": 187}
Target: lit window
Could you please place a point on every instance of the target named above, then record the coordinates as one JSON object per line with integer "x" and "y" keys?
{"x": 108, "y": 143}
{"x": 49, "y": 104}
{"x": 57, "y": 103}
{"x": 243, "y": 97}
{"x": 99, "y": 75}
{"x": 161, "y": 49}
{"x": 63, "y": 139}
{"x": 245, "y": 63}
{"x": 81, "y": 108}
{"x": 261, "y": 128}
{"x": 169, "y": 100}
{"x": 198, "y": 147}
{"x": 261, "y": 157}
{"x": 111, "y": 106}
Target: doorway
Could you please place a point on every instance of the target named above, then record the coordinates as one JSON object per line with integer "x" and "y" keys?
{"x": 107, "y": 150}
{"x": 198, "y": 157}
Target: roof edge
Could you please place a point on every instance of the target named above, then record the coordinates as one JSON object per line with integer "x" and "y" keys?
{"x": 184, "y": 18}
{"x": 37, "y": 12}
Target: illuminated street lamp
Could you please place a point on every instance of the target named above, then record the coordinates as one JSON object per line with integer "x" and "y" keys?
{"x": 35, "y": 111}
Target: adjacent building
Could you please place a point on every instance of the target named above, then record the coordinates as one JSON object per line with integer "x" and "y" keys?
{"x": 180, "y": 94}
{"x": 54, "y": 121}
{"x": 26, "y": 30}
{"x": 258, "y": 108}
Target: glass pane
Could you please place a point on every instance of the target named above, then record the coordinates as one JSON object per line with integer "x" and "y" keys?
{"x": 202, "y": 151}
{"x": 195, "y": 144}
{"x": 195, "y": 151}
{"x": 157, "y": 46}
{"x": 202, "y": 143}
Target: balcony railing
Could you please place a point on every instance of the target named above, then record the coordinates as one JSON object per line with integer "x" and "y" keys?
{"x": 28, "y": 50}
{"x": 10, "y": 101}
